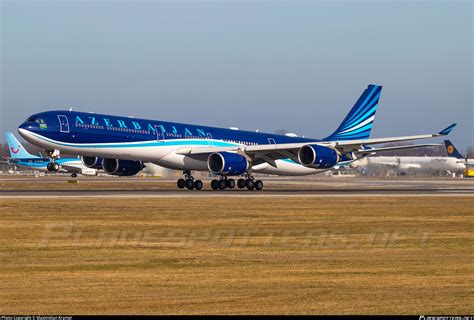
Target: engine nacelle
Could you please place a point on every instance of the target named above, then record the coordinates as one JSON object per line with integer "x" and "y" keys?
{"x": 92, "y": 162}
{"x": 317, "y": 156}
{"x": 227, "y": 163}
{"x": 118, "y": 167}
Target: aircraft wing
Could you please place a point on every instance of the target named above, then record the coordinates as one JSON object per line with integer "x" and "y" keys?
{"x": 271, "y": 152}
{"x": 372, "y": 150}
{"x": 350, "y": 144}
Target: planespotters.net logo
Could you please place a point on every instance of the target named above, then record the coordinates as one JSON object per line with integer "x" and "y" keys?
{"x": 36, "y": 318}
{"x": 446, "y": 318}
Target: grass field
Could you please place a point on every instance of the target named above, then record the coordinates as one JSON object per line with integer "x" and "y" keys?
{"x": 233, "y": 255}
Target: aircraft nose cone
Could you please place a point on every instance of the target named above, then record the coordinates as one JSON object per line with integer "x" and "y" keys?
{"x": 28, "y": 125}
{"x": 23, "y": 126}
{"x": 26, "y": 128}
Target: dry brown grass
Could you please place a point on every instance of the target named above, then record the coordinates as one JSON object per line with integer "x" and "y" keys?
{"x": 234, "y": 255}
{"x": 86, "y": 183}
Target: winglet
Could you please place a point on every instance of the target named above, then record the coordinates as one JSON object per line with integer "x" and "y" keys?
{"x": 446, "y": 131}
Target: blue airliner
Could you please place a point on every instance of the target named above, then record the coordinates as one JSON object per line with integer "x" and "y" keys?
{"x": 123, "y": 144}
{"x": 22, "y": 158}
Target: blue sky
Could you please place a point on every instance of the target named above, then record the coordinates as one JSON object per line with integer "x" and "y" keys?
{"x": 265, "y": 65}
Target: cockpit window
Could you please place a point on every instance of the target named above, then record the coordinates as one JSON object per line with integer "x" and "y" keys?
{"x": 35, "y": 119}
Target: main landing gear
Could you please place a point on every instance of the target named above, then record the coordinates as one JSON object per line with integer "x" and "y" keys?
{"x": 250, "y": 183}
{"x": 189, "y": 182}
{"x": 223, "y": 183}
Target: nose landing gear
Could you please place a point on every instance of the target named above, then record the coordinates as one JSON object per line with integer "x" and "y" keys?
{"x": 189, "y": 182}
{"x": 52, "y": 166}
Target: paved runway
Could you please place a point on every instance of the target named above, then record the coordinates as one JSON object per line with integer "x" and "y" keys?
{"x": 132, "y": 188}
{"x": 141, "y": 194}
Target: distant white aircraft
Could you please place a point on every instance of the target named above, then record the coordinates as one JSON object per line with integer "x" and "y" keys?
{"x": 454, "y": 153}
{"x": 454, "y": 162}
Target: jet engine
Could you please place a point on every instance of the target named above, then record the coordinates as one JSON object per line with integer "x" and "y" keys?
{"x": 118, "y": 167}
{"x": 92, "y": 162}
{"x": 227, "y": 163}
{"x": 317, "y": 156}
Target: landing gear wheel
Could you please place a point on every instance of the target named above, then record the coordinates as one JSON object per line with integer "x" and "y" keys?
{"x": 222, "y": 184}
{"x": 258, "y": 185}
{"x": 241, "y": 183}
{"x": 74, "y": 175}
{"x": 53, "y": 167}
{"x": 230, "y": 183}
{"x": 190, "y": 184}
{"x": 250, "y": 184}
{"x": 181, "y": 183}
{"x": 198, "y": 184}
{"x": 214, "y": 184}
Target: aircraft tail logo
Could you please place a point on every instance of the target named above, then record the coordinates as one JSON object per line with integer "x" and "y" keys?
{"x": 358, "y": 122}
{"x": 451, "y": 150}
{"x": 17, "y": 151}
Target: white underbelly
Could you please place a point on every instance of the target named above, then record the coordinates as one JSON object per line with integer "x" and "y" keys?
{"x": 285, "y": 168}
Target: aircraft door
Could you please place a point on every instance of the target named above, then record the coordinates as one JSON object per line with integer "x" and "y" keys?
{"x": 63, "y": 124}
{"x": 160, "y": 135}
{"x": 209, "y": 138}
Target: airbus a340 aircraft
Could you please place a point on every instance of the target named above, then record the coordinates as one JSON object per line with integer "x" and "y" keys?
{"x": 22, "y": 158}
{"x": 122, "y": 144}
